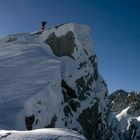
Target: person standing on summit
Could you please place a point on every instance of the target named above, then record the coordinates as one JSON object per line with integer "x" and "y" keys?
{"x": 43, "y": 25}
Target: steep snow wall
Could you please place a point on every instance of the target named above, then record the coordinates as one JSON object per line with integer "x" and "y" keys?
{"x": 51, "y": 79}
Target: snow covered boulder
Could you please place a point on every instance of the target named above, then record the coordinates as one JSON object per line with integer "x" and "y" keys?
{"x": 51, "y": 79}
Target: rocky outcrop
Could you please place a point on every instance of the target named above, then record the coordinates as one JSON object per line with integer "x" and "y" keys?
{"x": 29, "y": 121}
{"x": 120, "y": 99}
{"x": 58, "y": 44}
{"x": 126, "y": 107}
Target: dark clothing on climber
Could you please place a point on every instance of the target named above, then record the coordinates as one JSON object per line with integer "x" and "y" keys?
{"x": 43, "y": 25}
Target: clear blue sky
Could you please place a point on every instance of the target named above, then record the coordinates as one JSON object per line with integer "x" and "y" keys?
{"x": 115, "y": 31}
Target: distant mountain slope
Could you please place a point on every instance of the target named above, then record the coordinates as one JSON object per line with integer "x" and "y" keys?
{"x": 126, "y": 107}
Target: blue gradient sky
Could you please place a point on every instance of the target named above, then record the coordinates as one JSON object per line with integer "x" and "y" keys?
{"x": 115, "y": 31}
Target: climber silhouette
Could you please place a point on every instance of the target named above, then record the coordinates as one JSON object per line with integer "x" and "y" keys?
{"x": 43, "y": 25}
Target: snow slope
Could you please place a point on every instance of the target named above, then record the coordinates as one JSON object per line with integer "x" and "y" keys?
{"x": 51, "y": 79}
{"x": 41, "y": 134}
{"x": 26, "y": 65}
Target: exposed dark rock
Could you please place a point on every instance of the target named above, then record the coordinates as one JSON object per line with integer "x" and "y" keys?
{"x": 36, "y": 122}
{"x": 83, "y": 88}
{"x": 52, "y": 124}
{"x": 114, "y": 94}
{"x": 78, "y": 68}
{"x": 4, "y": 136}
{"x": 95, "y": 66}
{"x": 74, "y": 104}
{"x": 83, "y": 64}
{"x": 63, "y": 45}
{"x": 11, "y": 39}
{"x": 67, "y": 91}
{"x": 85, "y": 51}
{"x": 67, "y": 111}
{"x": 88, "y": 119}
{"x": 121, "y": 99}
{"x": 66, "y": 123}
{"x": 90, "y": 80}
{"x": 70, "y": 98}
{"x": 29, "y": 121}
{"x": 104, "y": 83}
{"x": 92, "y": 59}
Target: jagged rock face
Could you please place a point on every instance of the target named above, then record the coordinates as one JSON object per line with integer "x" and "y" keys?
{"x": 121, "y": 99}
{"x": 57, "y": 83}
{"x": 126, "y": 107}
{"x": 42, "y": 134}
{"x": 58, "y": 44}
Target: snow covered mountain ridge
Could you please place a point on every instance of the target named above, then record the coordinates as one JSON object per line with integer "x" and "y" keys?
{"x": 50, "y": 79}
{"x": 126, "y": 107}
